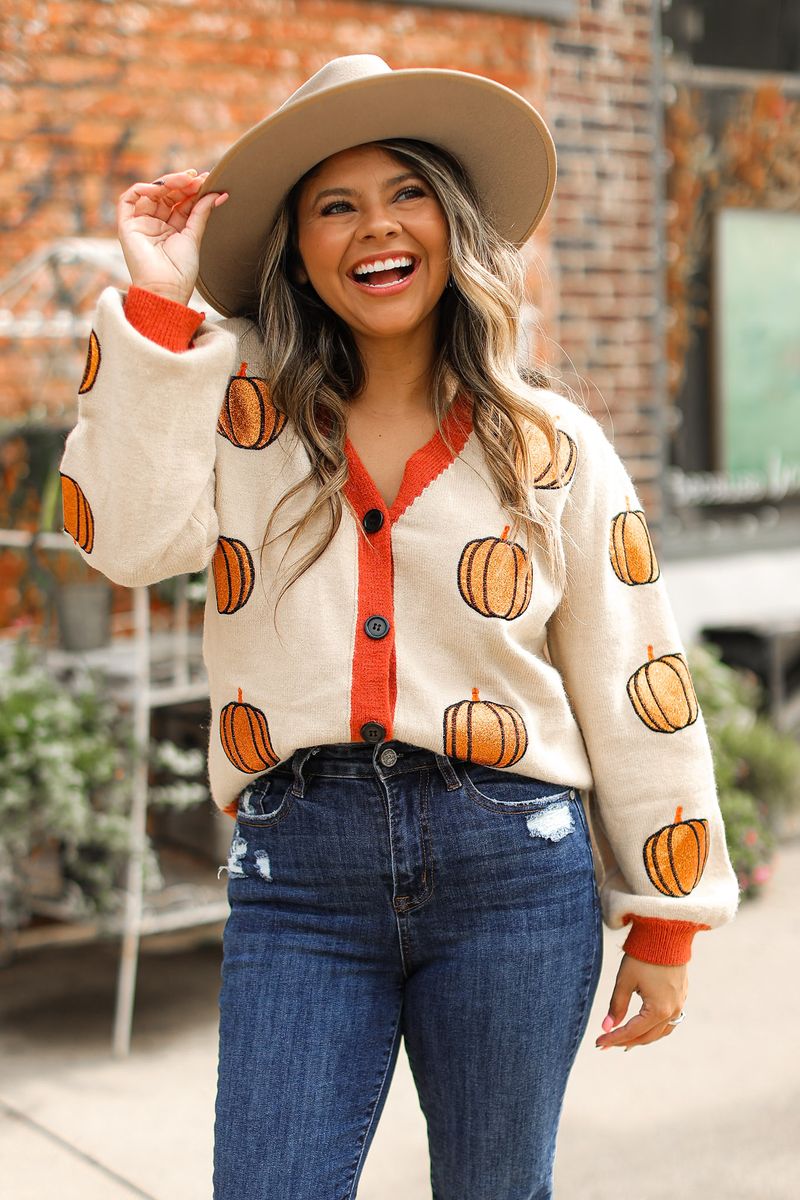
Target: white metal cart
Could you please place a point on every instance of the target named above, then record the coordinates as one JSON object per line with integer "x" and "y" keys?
{"x": 130, "y": 663}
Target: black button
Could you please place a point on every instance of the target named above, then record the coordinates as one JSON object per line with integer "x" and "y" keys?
{"x": 373, "y": 520}
{"x": 376, "y": 627}
{"x": 371, "y": 731}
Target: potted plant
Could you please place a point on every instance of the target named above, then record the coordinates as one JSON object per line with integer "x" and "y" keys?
{"x": 65, "y": 757}
{"x": 757, "y": 768}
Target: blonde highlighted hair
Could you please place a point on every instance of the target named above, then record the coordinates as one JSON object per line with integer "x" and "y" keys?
{"x": 313, "y": 365}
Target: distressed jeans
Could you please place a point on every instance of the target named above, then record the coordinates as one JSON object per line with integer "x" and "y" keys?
{"x": 379, "y": 892}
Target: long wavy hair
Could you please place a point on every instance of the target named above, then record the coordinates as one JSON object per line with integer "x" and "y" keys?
{"x": 313, "y": 365}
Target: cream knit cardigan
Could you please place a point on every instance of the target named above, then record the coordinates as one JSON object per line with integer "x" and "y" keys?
{"x": 174, "y": 465}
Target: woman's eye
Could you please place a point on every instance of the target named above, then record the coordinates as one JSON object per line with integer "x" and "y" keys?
{"x": 335, "y": 204}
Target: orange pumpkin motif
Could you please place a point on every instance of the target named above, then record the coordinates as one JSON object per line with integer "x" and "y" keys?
{"x": 553, "y": 473}
{"x": 248, "y": 417}
{"x": 78, "y": 515}
{"x": 93, "y": 357}
{"x": 234, "y": 575}
{"x": 675, "y": 856}
{"x": 495, "y": 577}
{"x": 244, "y": 734}
{"x": 481, "y": 731}
{"x": 630, "y": 548}
{"x": 662, "y": 693}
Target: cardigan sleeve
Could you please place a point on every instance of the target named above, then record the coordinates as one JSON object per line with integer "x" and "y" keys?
{"x": 167, "y": 322}
{"x": 137, "y": 471}
{"x": 615, "y": 642}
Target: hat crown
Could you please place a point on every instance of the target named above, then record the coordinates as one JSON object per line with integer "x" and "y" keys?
{"x": 346, "y": 69}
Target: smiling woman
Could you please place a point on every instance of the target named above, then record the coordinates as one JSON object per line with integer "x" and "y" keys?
{"x": 391, "y": 354}
{"x": 381, "y": 225}
{"x": 408, "y": 759}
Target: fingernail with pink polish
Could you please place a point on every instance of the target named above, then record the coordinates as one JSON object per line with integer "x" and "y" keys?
{"x": 608, "y": 1023}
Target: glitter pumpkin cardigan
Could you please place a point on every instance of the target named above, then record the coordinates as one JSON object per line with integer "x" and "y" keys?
{"x": 421, "y": 622}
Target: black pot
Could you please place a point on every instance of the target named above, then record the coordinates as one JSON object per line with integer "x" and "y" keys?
{"x": 84, "y": 615}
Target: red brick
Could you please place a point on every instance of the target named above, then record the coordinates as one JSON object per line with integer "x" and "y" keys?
{"x": 78, "y": 71}
{"x": 167, "y": 80}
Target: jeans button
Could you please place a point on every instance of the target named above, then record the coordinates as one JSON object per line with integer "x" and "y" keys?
{"x": 388, "y": 757}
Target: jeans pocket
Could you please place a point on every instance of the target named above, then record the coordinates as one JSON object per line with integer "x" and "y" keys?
{"x": 267, "y": 801}
{"x": 503, "y": 792}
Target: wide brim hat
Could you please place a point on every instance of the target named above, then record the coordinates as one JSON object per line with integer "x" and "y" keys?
{"x": 498, "y": 136}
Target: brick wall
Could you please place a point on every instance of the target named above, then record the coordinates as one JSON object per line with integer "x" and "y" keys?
{"x": 94, "y": 96}
{"x": 604, "y": 231}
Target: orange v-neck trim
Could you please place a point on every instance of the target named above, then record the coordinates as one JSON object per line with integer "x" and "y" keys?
{"x": 373, "y": 686}
{"x": 420, "y": 470}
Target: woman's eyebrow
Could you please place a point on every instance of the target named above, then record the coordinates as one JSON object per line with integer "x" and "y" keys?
{"x": 342, "y": 191}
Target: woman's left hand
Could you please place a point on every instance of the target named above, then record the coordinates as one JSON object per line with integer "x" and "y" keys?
{"x": 663, "y": 991}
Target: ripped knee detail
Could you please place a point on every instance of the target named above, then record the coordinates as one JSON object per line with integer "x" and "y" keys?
{"x": 553, "y": 823}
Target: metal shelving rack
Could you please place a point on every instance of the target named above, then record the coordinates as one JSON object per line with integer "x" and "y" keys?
{"x": 48, "y": 299}
{"x": 129, "y": 663}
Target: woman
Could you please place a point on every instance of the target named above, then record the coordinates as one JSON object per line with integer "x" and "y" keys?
{"x": 477, "y": 635}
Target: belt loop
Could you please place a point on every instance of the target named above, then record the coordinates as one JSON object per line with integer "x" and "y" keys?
{"x": 448, "y": 772}
{"x": 299, "y": 760}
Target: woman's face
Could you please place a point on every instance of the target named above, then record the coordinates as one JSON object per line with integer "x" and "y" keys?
{"x": 367, "y": 214}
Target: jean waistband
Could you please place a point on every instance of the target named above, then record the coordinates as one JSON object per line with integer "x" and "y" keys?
{"x": 358, "y": 760}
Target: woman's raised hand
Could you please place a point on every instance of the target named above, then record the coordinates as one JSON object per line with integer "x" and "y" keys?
{"x": 160, "y": 226}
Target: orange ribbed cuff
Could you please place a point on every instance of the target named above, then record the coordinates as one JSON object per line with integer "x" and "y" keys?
{"x": 167, "y": 322}
{"x": 657, "y": 940}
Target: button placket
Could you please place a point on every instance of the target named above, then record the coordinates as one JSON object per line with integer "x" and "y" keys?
{"x": 376, "y": 656}
{"x": 374, "y": 667}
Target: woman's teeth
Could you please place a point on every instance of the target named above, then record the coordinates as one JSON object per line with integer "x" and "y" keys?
{"x": 385, "y": 264}
{"x": 385, "y": 272}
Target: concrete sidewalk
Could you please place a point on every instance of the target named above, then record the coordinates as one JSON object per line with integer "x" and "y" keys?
{"x": 710, "y": 1112}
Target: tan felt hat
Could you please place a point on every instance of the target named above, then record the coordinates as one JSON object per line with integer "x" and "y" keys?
{"x": 500, "y": 139}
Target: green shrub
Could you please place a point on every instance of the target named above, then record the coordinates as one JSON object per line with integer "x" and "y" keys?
{"x": 64, "y": 775}
{"x": 757, "y": 768}
{"x": 67, "y": 755}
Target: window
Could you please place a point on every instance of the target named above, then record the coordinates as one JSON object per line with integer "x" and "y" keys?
{"x": 553, "y": 10}
{"x": 756, "y": 35}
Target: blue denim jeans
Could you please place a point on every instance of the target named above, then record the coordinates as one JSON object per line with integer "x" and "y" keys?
{"x": 379, "y": 892}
